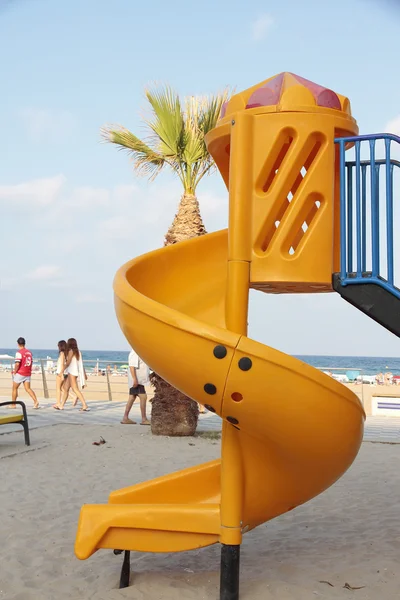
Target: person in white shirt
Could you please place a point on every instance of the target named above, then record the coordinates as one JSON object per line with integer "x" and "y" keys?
{"x": 138, "y": 377}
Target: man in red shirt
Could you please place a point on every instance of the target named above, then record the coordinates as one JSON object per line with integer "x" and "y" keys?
{"x": 22, "y": 373}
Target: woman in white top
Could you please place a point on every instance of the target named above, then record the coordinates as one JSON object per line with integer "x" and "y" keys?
{"x": 61, "y": 372}
{"x": 76, "y": 371}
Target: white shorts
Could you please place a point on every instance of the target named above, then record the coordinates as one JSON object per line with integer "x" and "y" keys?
{"x": 21, "y": 378}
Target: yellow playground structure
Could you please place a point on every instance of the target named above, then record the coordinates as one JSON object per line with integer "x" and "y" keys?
{"x": 289, "y": 431}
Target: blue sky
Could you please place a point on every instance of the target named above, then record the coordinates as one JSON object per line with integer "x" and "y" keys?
{"x": 72, "y": 210}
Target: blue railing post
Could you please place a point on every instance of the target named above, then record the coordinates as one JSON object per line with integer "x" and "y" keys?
{"x": 374, "y": 211}
{"x": 342, "y": 209}
{"x": 389, "y": 213}
{"x": 349, "y": 172}
{"x": 358, "y": 209}
{"x": 364, "y": 218}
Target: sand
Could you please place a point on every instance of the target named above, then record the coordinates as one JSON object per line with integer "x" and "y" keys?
{"x": 348, "y": 535}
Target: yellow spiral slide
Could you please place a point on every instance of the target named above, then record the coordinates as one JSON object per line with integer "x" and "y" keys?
{"x": 289, "y": 431}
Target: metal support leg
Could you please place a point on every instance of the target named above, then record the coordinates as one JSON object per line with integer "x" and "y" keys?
{"x": 26, "y": 434}
{"x": 230, "y": 566}
{"x": 126, "y": 569}
{"x": 25, "y": 424}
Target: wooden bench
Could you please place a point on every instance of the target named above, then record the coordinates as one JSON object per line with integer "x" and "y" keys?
{"x": 18, "y": 419}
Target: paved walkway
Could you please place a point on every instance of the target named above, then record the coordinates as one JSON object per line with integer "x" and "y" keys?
{"x": 377, "y": 429}
{"x": 101, "y": 413}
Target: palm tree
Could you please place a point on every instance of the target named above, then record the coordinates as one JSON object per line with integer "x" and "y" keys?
{"x": 175, "y": 142}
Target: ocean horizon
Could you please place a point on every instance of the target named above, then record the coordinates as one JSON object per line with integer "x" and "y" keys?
{"x": 368, "y": 365}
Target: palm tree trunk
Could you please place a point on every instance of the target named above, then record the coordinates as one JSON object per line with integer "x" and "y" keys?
{"x": 187, "y": 222}
{"x": 173, "y": 413}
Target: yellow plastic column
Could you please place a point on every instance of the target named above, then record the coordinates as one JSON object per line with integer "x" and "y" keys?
{"x": 237, "y": 295}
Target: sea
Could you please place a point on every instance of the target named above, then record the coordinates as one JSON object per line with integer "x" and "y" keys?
{"x": 367, "y": 365}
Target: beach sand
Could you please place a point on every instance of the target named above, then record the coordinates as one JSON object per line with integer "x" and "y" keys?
{"x": 348, "y": 535}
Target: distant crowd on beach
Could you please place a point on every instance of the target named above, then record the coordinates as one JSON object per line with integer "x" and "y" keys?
{"x": 386, "y": 378}
{"x": 97, "y": 370}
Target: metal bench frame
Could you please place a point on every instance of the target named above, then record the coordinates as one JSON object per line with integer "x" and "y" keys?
{"x": 23, "y": 421}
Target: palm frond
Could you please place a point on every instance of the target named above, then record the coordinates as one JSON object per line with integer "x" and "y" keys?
{"x": 211, "y": 110}
{"x": 167, "y": 124}
{"x": 146, "y": 160}
{"x": 208, "y": 115}
{"x": 194, "y": 139}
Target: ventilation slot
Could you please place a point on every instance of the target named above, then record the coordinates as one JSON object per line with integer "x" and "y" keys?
{"x": 305, "y": 168}
{"x": 290, "y": 196}
{"x": 312, "y": 208}
{"x": 282, "y": 152}
{"x": 279, "y": 216}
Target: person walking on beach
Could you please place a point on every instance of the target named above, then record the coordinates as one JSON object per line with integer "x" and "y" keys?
{"x": 138, "y": 377}
{"x": 22, "y": 373}
{"x": 76, "y": 370}
{"x": 61, "y": 373}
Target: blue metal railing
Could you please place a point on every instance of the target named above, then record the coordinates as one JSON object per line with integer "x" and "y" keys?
{"x": 360, "y": 256}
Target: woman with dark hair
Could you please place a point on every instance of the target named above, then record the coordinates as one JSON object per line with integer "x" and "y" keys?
{"x": 76, "y": 371}
{"x": 62, "y": 374}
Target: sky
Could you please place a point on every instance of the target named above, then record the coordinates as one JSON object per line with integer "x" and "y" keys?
{"x": 72, "y": 211}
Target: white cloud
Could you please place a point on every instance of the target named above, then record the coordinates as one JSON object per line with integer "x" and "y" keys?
{"x": 47, "y": 274}
{"x": 89, "y": 197}
{"x": 34, "y": 193}
{"x": 63, "y": 284}
{"x": 117, "y": 228}
{"x": 393, "y": 126}
{"x": 261, "y": 26}
{"x": 94, "y": 201}
{"x": 43, "y": 273}
{"x": 48, "y": 125}
{"x": 65, "y": 240}
{"x": 89, "y": 299}
{"x": 124, "y": 194}
{"x": 136, "y": 209}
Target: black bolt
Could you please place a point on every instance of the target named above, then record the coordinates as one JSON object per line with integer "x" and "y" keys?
{"x": 210, "y": 388}
{"x": 232, "y": 420}
{"x": 220, "y": 351}
{"x": 210, "y": 408}
{"x": 245, "y": 363}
